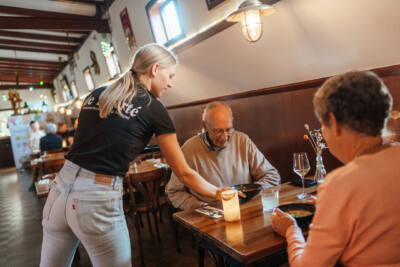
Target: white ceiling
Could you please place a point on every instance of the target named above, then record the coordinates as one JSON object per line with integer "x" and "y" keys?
{"x": 69, "y": 7}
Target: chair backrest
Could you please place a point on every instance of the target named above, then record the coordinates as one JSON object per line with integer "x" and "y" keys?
{"x": 47, "y": 152}
{"x": 52, "y": 166}
{"x": 148, "y": 184}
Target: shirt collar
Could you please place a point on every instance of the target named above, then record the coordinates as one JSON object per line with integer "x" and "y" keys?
{"x": 206, "y": 140}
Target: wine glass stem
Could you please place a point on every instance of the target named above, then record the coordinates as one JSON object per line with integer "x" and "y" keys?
{"x": 302, "y": 181}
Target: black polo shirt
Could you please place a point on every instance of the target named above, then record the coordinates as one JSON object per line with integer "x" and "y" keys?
{"x": 107, "y": 146}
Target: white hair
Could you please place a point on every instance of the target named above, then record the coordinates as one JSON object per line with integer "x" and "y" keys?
{"x": 50, "y": 128}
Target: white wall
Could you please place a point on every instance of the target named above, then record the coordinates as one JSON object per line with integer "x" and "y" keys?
{"x": 303, "y": 40}
{"x": 93, "y": 43}
{"x": 31, "y": 97}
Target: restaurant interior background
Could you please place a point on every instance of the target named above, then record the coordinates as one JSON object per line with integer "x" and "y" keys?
{"x": 55, "y": 52}
{"x": 268, "y": 83}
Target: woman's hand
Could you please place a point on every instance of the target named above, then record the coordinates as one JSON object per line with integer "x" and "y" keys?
{"x": 281, "y": 221}
{"x": 312, "y": 200}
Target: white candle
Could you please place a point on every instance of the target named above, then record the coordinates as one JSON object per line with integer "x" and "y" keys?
{"x": 230, "y": 204}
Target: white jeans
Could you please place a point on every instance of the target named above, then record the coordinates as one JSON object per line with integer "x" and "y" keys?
{"x": 76, "y": 210}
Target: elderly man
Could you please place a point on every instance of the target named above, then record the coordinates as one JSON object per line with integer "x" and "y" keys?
{"x": 222, "y": 156}
{"x": 51, "y": 141}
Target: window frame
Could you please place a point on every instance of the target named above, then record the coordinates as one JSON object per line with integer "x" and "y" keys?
{"x": 87, "y": 69}
{"x": 114, "y": 58}
{"x": 175, "y": 39}
{"x": 66, "y": 91}
{"x": 73, "y": 89}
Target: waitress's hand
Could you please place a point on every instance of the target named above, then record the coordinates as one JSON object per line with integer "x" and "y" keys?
{"x": 222, "y": 189}
{"x": 281, "y": 221}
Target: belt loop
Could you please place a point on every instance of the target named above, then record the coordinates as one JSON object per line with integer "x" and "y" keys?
{"x": 73, "y": 183}
{"x": 114, "y": 182}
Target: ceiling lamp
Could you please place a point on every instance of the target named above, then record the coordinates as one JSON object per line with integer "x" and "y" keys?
{"x": 68, "y": 111}
{"x": 78, "y": 104}
{"x": 61, "y": 110}
{"x": 250, "y": 13}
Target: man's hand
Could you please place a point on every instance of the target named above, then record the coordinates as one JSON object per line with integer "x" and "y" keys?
{"x": 222, "y": 189}
{"x": 281, "y": 221}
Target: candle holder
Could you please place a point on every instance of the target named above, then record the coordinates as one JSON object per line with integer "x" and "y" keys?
{"x": 230, "y": 204}
{"x": 316, "y": 140}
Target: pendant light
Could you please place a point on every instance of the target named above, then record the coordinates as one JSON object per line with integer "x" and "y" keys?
{"x": 250, "y": 13}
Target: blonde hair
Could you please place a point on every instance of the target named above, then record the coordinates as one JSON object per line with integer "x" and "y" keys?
{"x": 122, "y": 91}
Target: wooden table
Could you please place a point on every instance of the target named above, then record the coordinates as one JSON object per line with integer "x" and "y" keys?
{"x": 37, "y": 164}
{"x": 146, "y": 166}
{"x": 248, "y": 240}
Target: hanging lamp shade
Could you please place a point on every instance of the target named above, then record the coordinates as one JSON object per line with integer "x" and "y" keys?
{"x": 250, "y": 13}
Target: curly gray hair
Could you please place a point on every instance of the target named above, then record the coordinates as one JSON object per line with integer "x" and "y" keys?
{"x": 357, "y": 99}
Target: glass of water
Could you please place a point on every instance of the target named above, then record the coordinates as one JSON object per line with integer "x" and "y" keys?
{"x": 270, "y": 198}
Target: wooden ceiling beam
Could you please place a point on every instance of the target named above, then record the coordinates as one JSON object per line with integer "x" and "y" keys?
{"x": 23, "y": 79}
{"x": 25, "y": 86}
{"x": 30, "y": 49}
{"x": 22, "y": 73}
{"x": 25, "y": 65}
{"x": 32, "y": 61}
{"x": 77, "y": 24}
{"x": 38, "y": 45}
{"x": 82, "y": 1}
{"x": 17, "y": 69}
{"x": 37, "y": 36}
{"x": 38, "y": 13}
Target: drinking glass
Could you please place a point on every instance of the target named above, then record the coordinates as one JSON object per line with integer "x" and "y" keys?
{"x": 301, "y": 167}
{"x": 270, "y": 198}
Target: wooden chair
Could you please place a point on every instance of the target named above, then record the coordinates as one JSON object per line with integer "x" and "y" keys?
{"x": 174, "y": 225}
{"x": 52, "y": 166}
{"x": 47, "y": 152}
{"x": 42, "y": 190}
{"x": 147, "y": 184}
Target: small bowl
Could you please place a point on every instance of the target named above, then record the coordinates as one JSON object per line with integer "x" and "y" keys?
{"x": 302, "y": 212}
{"x": 250, "y": 190}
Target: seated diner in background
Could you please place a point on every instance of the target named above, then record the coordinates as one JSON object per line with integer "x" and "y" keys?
{"x": 223, "y": 156}
{"x": 357, "y": 220}
{"x": 50, "y": 141}
{"x": 34, "y": 137}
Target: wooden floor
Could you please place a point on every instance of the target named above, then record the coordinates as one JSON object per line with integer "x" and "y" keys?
{"x": 21, "y": 230}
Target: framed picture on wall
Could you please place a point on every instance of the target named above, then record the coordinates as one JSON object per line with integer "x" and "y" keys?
{"x": 213, "y": 3}
{"x": 127, "y": 27}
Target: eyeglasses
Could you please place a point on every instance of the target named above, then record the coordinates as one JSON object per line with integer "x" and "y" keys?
{"x": 220, "y": 132}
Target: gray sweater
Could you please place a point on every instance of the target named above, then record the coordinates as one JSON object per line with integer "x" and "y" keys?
{"x": 239, "y": 163}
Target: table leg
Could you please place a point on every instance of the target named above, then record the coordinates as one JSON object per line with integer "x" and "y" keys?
{"x": 200, "y": 251}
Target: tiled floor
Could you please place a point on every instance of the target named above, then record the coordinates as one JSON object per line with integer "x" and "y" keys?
{"x": 21, "y": 231}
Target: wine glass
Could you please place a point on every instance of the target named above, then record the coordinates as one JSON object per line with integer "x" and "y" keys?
{"x": 301, "y": 167}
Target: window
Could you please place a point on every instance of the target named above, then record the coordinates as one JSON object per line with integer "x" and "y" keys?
{"x": 65, "y": 90}
{"x": 112, "y": 63}
{"x": 88, "y": 79}
{"x": 164, "y": 20}
{"x": 74, "y": 91}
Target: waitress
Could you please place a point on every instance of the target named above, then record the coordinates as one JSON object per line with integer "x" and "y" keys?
{"x": 115, "y": 124}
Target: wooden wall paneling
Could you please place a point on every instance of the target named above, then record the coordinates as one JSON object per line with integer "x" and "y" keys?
{"x": 274, "y": 119}
{"x": 274, "y": 122}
